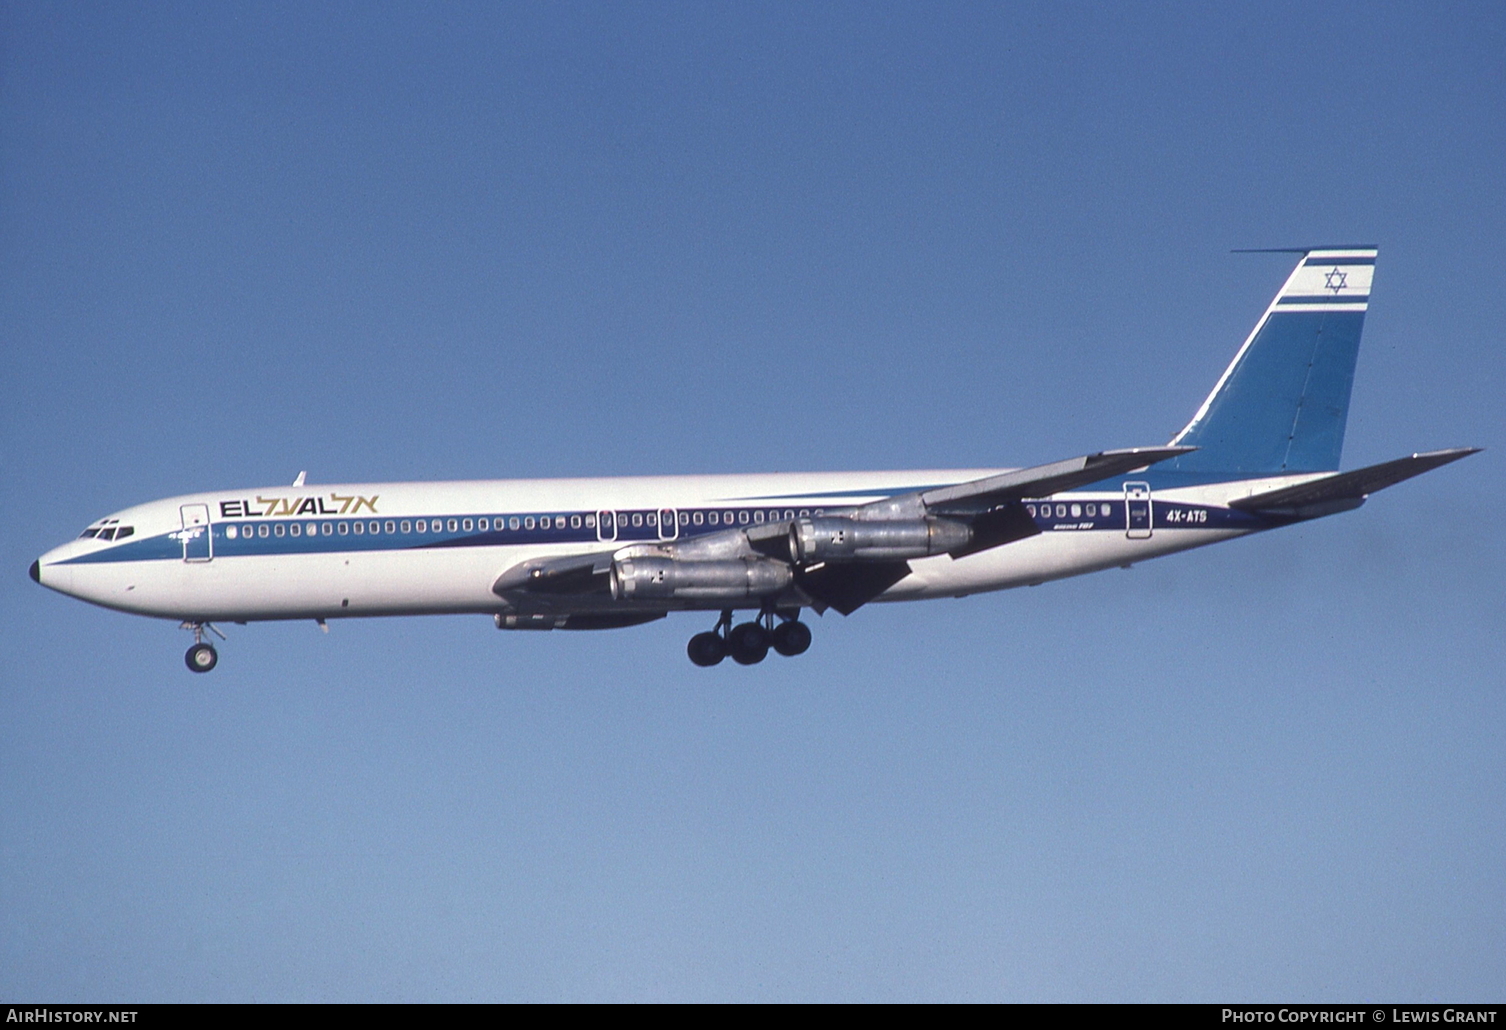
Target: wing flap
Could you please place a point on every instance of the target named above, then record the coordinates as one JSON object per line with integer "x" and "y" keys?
{"x": 847, "y": 587}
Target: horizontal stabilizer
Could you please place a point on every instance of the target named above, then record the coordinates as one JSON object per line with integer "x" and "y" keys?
{"x": 1347, "y": 489}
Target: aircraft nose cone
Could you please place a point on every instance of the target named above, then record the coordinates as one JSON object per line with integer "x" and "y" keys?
{"x": 36, "y": 571}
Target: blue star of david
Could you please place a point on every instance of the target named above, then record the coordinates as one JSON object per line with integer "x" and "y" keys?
{"x": 1336, "y": 280}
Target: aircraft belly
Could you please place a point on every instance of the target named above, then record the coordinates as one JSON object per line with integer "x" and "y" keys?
{"x": 1050, "y": 555}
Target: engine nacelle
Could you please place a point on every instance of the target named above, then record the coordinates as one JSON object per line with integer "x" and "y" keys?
{"x": 664, "y": 579}
{"x": 835, "y": 538}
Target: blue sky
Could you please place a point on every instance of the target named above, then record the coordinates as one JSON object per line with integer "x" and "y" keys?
{"x": 453, "y": 241}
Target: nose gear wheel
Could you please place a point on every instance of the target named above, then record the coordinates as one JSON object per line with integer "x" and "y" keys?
{"x": 202, "y": 656}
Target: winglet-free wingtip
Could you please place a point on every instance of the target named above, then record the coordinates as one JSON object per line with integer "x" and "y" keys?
{"x": 1152, "y": 455}
{"x": 1449, "y": 454}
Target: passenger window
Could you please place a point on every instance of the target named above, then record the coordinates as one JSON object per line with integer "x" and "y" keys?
{"x": 528, "y": 522}
{"x": 466, "y": 525}
{"x": 407, "y": 526}
{"x": 454, "y": 525}
{"x": 652, "y": 519}
{"x": 421, "y": 526}
{"x": 230, "y": 532}
{"x": 697, "y": 518}
{"x": 758, "y": 517}
{"x": 1092, "y": 510}
{"x": 804, "y": 512}
{"x": 742, "y": 517}
{"x": 1076, "y": 510}
{"x": 279, "y": 529}
{"x": 359, "y": 527}
{"x": 574, "y": 521}
{"x": 261, "y": 530}
{"x": 638, "y": 519}
{"x": 513, "y": 523}
{"x": 391, "y": 527}
{"x": 295, "y": 529}
{"x": 312, "y": 529}
{"x": 327, "y": 529}
{"x": 344, "y": 528}
{"x": 713, "y": 518}
{"x": 590, "y": 521}
{"x": 1061, "y": 511}
{"x": 1105, "y": 510}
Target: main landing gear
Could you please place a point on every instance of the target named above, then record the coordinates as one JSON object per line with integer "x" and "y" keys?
{"x": 202, "y": 656}
{"x": 748, "y": 642}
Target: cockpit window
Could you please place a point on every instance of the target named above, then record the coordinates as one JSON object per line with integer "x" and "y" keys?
{"x": 109, "y": 531}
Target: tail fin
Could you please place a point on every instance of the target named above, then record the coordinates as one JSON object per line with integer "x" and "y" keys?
{"x": 1282, "y": 403}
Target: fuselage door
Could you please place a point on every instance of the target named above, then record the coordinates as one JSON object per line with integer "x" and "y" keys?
{"x": 606, "y": 526}
{"x": 668, "y": 527}
{"x": 1137, "y": 513}
{"x": 198, "y": 543}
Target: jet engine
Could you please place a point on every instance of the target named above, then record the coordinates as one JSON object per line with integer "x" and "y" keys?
{"x": 835, "y": 538}
{"x": 659, "y": 579}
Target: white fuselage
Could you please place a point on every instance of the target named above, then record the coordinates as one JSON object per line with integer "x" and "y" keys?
{"x": 320, "y": 552}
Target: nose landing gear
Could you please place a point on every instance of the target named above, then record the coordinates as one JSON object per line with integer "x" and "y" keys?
{"x": 748, "y": 642}
{"x": 201, "y": 657}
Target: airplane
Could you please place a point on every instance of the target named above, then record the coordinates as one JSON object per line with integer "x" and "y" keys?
{"x": 1260, "y": 453}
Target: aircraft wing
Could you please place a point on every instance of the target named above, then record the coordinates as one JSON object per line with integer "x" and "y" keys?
{"x": 1346, "y": 489}
{"x": 990, "y": 506}
{"x": 981, "y": 495}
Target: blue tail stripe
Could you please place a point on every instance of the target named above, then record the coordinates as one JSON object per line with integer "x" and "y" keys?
{"x": 1283, "y": 407}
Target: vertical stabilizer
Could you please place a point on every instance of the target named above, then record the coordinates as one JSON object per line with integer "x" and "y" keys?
{"x": 1282, "y": 403}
